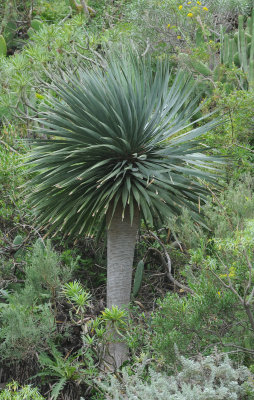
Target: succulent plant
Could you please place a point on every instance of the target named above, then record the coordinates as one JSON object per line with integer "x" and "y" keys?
{"x": 36, "y": 24}
{"x": 138, "y": 278}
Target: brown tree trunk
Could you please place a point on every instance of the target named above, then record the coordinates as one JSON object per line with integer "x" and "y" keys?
{"x": 121, "y": 240}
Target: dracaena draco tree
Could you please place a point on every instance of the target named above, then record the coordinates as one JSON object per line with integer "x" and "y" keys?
{"x": 119, "y": 148}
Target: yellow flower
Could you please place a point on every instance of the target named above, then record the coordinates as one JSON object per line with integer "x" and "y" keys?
{"x": 168, "y": 26}
{"x": 39, "y": 96}
{"x": 180, "y": 7}
{"x": 219, "y": 293}
{"x": 231, "y": 272}
{"x": 199, "y": 3}
{"x": 223, "y": 275}
{"x": 189, "y": 2}
{"x": 190, "y": 15}
{"x": 205, "y": 8}
{"x": 179, "y": 37}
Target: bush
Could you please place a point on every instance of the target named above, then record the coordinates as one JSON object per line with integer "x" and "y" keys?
{"x": 15, "y": 392}
{"x": 27, "y": 316}
{"x": 208, "y": 378}
{"x": 220, "y": 312}
{"x": 13, "y": 174}
{"x": 195, "y": 323}
{"x": 24, "y": 330}
{"x": 225, "y": 213}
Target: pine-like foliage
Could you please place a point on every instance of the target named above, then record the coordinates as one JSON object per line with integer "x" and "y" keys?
{"x": 210, "y": 378}
{"x": 119, "y": 136}
{"x": 27, "y": 322}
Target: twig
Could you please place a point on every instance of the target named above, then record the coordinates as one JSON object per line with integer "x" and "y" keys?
{"x": 86, "y": 11}
{"x": 221, "y": 206}
{"x": 66, "y": 17}
{"x": 147, "y": 48}
{"x": 243, "y": 147}
{"x": 8, "y": 146}
{"x": 168, "y": 265}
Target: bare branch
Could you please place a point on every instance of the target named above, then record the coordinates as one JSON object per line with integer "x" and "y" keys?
{"x": 168, "y": 265}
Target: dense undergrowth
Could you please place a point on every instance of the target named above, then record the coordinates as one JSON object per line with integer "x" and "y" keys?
{"x": 200, "y": 317}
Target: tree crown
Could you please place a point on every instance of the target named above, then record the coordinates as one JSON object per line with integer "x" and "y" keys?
{"x": 115, "y": 136}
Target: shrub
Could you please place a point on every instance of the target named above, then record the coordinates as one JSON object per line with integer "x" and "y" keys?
{"x": 45, "y": 273}
{"x": 24, "y": 330}
{"x": 13, "y": 174}
{"x": 27, "y": 316}
{"x": 15, "y": 392}
{"x": 225, "y": 213}
{"x": 208, "y": 378}
{"x": 220, "y": 312}
{"x": 195, "y": 323}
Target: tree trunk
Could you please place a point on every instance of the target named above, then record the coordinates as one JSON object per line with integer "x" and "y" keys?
{"x": 121, "y": 240}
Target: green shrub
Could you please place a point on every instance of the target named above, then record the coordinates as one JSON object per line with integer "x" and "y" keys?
{"x": 45, "y": 273}
{"x": 50, "y": 10}
{"x": 12, "y": 176}
{"x": 27, "y": 315}
{"x": 24, "y": 330}
{"x": 224, "y": 214}
{"x": 15, "y": 392}
{"x": 194, "y": 323}
{"x": 220, "y": 312}
{"x": 227, "y": 213}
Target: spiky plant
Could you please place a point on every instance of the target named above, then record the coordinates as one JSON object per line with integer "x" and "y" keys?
{"x": 120, "y": 147}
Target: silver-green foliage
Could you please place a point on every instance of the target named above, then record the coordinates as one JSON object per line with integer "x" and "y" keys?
{"x": 208, "y": 378}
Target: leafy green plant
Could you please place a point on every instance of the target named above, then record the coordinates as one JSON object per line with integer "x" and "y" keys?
{"x": 78, "y": 297}
{"x": 66, "y": 371}
{"x": 220, "y": 311}
{"x": 13, "y": 175}
{"x": 14, "y": 391}
{"x": 225, "y": 214}
{"x": 114, "y": 315}
{"x": 230, "y": 7}
{"x": 195, "y": 323}
{"x": 232, "y": 265}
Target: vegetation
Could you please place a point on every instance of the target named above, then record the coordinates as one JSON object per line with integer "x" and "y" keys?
{"x": 208, "y": 378}
{"x": 126, "y": 199}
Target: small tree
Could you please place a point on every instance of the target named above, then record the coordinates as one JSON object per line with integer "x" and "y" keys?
{"x": 120, "y": 147}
